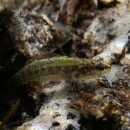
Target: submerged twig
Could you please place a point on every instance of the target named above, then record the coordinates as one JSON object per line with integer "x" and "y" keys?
{"x": 13, "y": 110}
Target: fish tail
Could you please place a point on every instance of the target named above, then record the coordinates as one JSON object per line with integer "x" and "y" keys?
{"x": 14, "y": 82}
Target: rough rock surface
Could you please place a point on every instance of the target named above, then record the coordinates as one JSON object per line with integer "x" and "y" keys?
{"x": 107, "y": 97}
{"x": 103, "y": 102}
{"x": 34, "y": 35}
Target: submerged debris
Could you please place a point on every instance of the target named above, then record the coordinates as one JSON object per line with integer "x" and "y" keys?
{"x": 35, "y": 35}
{"x": 109, "y": 2}
{"x": 10, "y": 114}
{"x": 33, "y": 32}
{"x": 105, "y": 99}
{"x": 106, "y": 103}
{"x": 78, "y": 14}
{"x": 6, "y": 6}
{"x": 110, "y": 25}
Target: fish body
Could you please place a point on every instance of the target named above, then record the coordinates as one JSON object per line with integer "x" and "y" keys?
{"x": 59, "y": 68}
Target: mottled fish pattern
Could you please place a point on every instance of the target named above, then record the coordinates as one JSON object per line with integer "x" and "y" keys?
{"x": 59, "y": 68}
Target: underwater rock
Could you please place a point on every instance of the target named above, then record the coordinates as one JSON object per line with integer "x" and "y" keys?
{"x": 35, "y": 35}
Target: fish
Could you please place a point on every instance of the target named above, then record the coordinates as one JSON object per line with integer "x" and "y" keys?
{"x": 59, "y": 68}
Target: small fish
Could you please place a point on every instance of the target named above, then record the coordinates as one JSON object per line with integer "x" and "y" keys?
{"x": 59, "y": 68}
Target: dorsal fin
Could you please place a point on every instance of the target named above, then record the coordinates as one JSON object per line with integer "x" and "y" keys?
{"x": 39, "y": 57}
